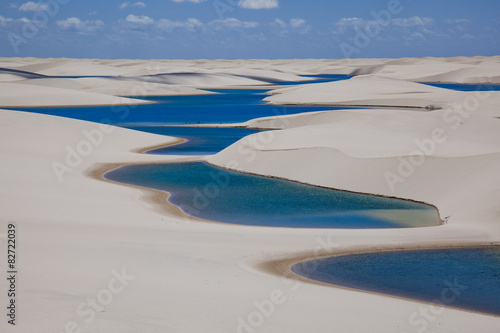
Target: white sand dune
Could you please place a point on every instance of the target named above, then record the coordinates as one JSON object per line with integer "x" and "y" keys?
{"x": 381, "y": 133}
{"x": 421, "y": 155}
{"x": 394, "y": 155}
{"x": 116, "y": 86}
{"x": 367, "y": 90}
{"x": 76, "y": 232}
{"x": 446, "y": 70}
{"x": 187, "y": 276}
{"x": 72, "y": 67}
{"x": 440, "y": 71}
{"x": 265, "y": 72}
{"x": 138, "y": 68}
{"x": 475, "y": 70}
{"x": 10, "y": 78}
{"x": 201, "y": 80}
{"x": 373, "y": 90}
{"x": 15, "y": 95}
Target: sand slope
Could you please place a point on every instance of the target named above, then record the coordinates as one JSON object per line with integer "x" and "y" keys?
{"x": 15, "y": 95}
{"x": 371, "y": 90}
{"x": 455, "y": 70}
{"x": 76, "y": 233}
{"x": 184, "y": 275}
{"x": 381, "y": 133}
{"x": 116, "y": 86}
{"x": 443, "y": 157}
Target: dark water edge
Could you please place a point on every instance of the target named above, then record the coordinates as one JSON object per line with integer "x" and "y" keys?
{"x": 466, "y": 86}
{"x": 215, "y": 194}
{"x": 465, "y": 278}
{"x": 232, "y": 106}
{"x": 200, "y": 140}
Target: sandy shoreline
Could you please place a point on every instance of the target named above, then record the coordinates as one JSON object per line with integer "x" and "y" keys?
{"x": 284, "y": 267}
{"x": 159, "y": 199}
{"x": 77, "y": 228}
{"x": 13, "y": 107}
{"x": 145, "y": 150}
{"x": 441, "y": 221}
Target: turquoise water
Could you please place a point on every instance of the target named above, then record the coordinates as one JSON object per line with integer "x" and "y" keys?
{"x": 200, "y": 140}
{"x": 466, "y": 87}
{"x": 307, "y": 79}
{"x": 229, "y": 106}
{"x": 214, "y": 194}
{"x": 461, "y": 278}
{"x": 224, "y": 196}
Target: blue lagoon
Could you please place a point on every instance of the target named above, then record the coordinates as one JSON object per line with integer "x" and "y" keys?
{"x": 211, "y": 193}
{"x": 466, "y": 278}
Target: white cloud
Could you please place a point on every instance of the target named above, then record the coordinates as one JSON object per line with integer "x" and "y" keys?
{"x": 258, "y": 4}
{"x": 75, "y": 24}
{"x": 417, "y": 35}
{"x": 458, "y": 21}
{"x": 297, "y": 23}
{"x": 350, "y": 21}
{"x": 300, "y": 25}
{"x": 146, "y": 23}
{"x": 129, "y": 4}
{"x": 280, "y": 27}
{"x": 143, "y": 19}
{"x": 5, "y": 20}
{"x": 194, "y": 1}
{"x": 435, "y": 33}
{"x": 232, "y": 22}
{"x": 341, "y": 26}
{"x": 460, "y": 24}
{"x": 190, "y": 24}
{"x": 412, "y": 21}
{"x": 33, "y": 7}
{"x": 280, "y": 23}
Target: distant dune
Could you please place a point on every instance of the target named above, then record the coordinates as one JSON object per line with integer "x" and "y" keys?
{"x": 100, "y": 256}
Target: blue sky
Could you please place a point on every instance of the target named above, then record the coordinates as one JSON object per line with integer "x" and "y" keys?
{"x": 242, "y": 29}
